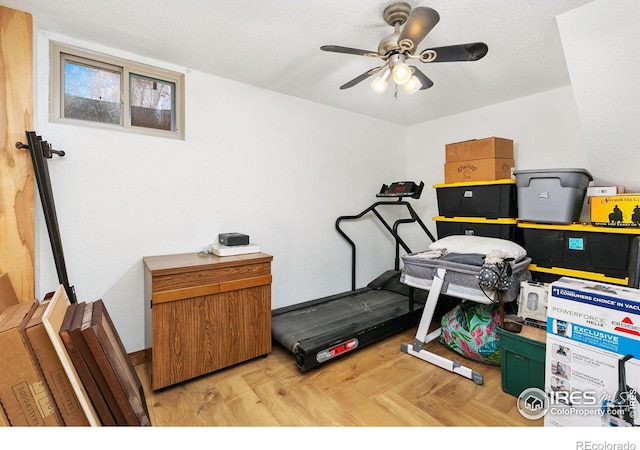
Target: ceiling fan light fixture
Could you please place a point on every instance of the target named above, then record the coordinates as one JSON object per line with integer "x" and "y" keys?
{"x": 413, "y": 85}
{"x": 380, "y": 83}
{"x": 411, "y": 26}
{"x": 401, "y": 71}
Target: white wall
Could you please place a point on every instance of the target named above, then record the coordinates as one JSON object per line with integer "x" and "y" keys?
{"x": 545, "y": 130}
{"x": 601, "y": 41}
{"x": 277, "y": 168}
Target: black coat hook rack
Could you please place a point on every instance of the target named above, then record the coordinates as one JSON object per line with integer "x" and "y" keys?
{"x": 41, "y": 151}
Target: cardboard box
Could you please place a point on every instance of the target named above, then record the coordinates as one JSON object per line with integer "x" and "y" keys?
{"x": 615, "y": 210}
{"x": 478, "y": 170}
{"x": 4, "y": 421}
{"x": 24, "y": 393}
{"x": 7, "y": 294}
{"x": 603, "y": 191}
{"x": 59, "y": 384}
{"x": 593, "y": 354}
{"x": 488, "y": 148}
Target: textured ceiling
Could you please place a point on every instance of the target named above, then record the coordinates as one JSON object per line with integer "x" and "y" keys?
{"x": 275, "y": 44}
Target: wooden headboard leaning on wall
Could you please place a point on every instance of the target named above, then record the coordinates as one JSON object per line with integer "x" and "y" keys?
{"x": 17, "y": 185}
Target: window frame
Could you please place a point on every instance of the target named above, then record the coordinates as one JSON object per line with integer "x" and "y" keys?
{"x": 58, "y": 52}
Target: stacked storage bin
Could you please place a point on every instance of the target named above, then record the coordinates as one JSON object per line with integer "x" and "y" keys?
{"x": 550, "y": 202}
{"x": 580, "y": 251}
{"x": 487, "y": 208}
{"x": 478, "y": 196}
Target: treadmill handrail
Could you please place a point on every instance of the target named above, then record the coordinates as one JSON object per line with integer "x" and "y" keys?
{"x": 392, "y": 230}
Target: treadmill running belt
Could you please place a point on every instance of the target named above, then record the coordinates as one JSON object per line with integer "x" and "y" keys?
{"x": 334, "y": 319}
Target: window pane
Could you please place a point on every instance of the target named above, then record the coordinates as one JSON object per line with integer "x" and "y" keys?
{"x": 91, "y": 93}
{"x": 152, "y": 103}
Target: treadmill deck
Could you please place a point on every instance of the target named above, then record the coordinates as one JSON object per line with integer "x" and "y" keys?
{"x": 319, "y": 330}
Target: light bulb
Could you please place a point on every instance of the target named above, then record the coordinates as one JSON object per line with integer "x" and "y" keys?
{"x": 401, "y": 73}
{"x": 380, "y": 83}
{"x": 412, "y": 85}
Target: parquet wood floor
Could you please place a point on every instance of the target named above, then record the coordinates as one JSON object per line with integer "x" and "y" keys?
{"x": 376, "y": 386}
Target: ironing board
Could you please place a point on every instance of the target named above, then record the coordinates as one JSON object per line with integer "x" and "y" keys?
{"x": 458, "y": 280}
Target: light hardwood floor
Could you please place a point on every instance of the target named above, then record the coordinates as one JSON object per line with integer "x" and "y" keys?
{"x": 377, "y": 386}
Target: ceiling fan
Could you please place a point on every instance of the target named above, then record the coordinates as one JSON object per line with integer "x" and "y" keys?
{"x": 399, "y": 48}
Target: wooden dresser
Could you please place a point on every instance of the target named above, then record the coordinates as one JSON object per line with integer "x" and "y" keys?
{"x": 203, "y": 313}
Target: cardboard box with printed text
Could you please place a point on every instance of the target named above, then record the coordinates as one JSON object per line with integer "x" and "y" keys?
{"x": 62, "y": 391}
{"x": 487, "y": 148}
{"x": 24, "y": 393}
{"x": 593, "y": 354}
{"x": 478, "y": 170}
{"x": 615, "y": 210}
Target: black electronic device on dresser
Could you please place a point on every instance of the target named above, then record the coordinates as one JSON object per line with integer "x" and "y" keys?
{"x": 232, "y": 239}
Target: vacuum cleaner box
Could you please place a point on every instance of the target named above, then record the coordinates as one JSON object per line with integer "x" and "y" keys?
{"x": 592, "y": 364}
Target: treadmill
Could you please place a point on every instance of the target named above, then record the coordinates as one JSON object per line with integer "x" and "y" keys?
{"x": 318, "y": 331}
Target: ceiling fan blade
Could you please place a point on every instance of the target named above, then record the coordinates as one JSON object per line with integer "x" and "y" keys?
{"x": 461, "y": 52}
{"x": 348, "y": 50}
{"x": 424, "y": 80}
{"x": 362, "y": 77}
{"x": 420, "y": 22}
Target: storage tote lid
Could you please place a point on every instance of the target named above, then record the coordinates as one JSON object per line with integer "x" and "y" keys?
{"x": 568, "y": 177}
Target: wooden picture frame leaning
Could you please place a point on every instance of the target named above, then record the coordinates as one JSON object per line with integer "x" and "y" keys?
{"x": 110, "y": 355}
{"x": 52, "y": 320}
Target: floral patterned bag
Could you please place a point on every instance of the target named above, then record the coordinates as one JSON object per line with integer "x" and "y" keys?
{"x": 471, "y": 329}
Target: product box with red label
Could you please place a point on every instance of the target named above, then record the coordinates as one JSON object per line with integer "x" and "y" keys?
{"x": 592, "y": 362}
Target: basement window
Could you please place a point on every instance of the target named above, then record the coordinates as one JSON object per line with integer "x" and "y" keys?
{"x": 97, "y": 90}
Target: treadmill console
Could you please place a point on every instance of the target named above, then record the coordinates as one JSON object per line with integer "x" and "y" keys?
{"x": 401, "y": 189}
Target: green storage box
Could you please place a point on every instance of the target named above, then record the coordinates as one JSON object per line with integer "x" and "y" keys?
{"x": 522, "y": 358}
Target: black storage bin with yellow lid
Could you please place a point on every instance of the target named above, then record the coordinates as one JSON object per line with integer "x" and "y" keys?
{"x": 489, "y": 199}
{"x": 580, "y": 250}
{"x": 478, "y": 226}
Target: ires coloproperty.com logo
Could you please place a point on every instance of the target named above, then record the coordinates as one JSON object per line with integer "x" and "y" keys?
{"x": 534, "y": 403}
